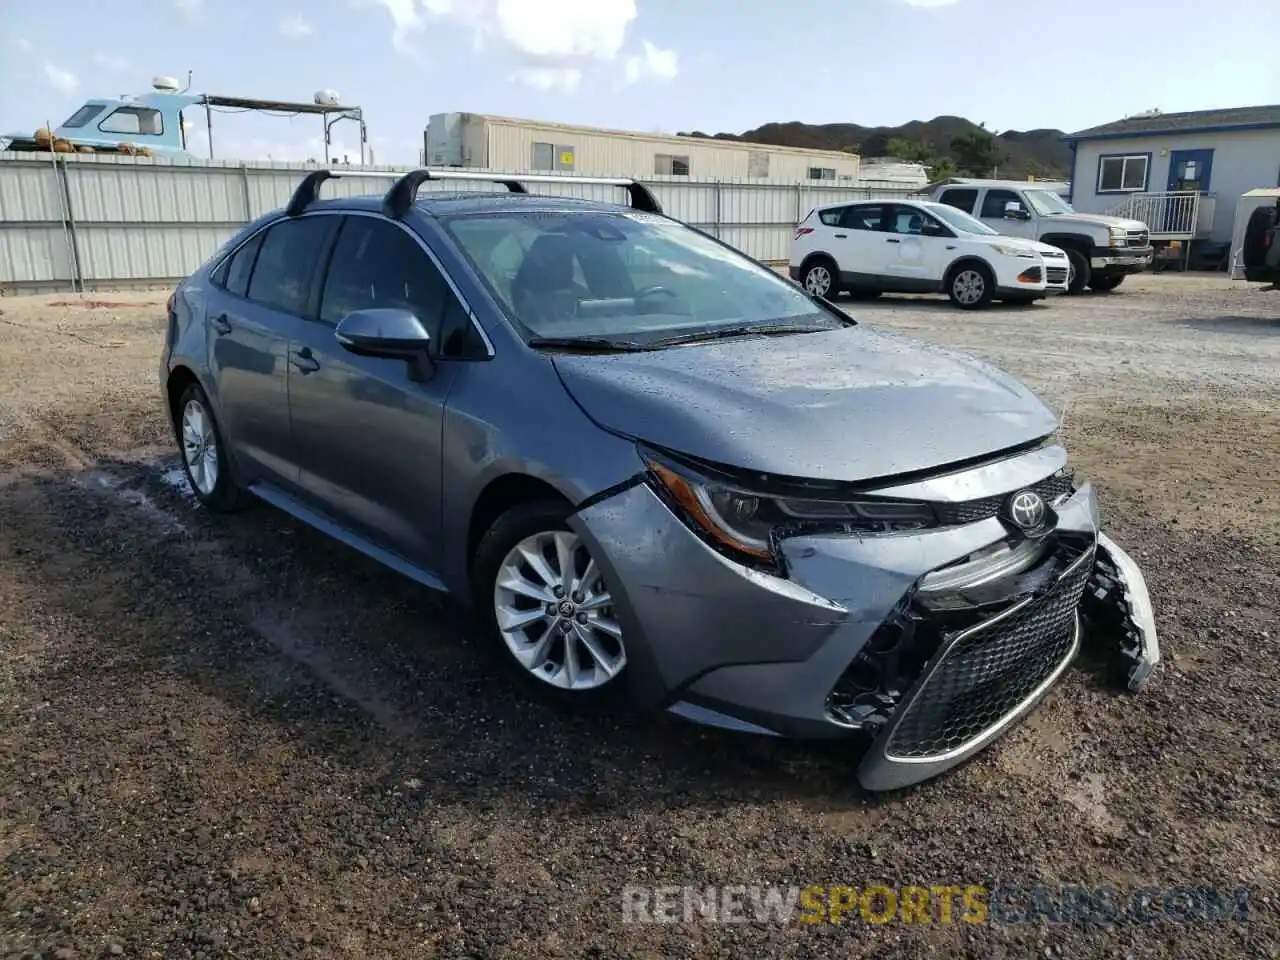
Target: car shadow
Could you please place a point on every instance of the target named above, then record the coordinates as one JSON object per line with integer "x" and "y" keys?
{"x": 365, "y": 668}
{"x": 1250, "y": 326}
{"x": 938, "y": 301}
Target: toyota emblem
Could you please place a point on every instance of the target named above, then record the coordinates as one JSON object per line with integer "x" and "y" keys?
{"x": 1027, "y": 509}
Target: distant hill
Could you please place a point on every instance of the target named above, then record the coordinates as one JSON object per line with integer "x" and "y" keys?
{"x": 1041, "y": 153}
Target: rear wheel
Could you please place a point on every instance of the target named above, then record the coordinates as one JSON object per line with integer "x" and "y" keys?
{"x": 971, "y": 285}
{"x": 1080, "y": 274}
{"x": 205, "y": 457}
{"x": 547, "y": 609}
{"x": 1105, "y": 283}
{"x": 1254, "y": 248}
{"x": 819, "y": 278}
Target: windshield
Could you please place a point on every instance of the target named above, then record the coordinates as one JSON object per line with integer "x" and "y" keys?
{"x": 959, "y": 220}
{"x": 631, "y": 276}
{"x": 1047, "y": 203}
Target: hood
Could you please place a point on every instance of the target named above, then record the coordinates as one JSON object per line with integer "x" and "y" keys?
{"x": 1022, "y": 243}
{"x": 844, "y": 405}
{"x": 1097, "y": 219}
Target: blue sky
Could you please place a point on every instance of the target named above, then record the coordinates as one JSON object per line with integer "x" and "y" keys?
{"x": 653, "y": 65}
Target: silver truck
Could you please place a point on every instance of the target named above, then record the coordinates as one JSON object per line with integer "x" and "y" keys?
{"x": 1102, "y": 250}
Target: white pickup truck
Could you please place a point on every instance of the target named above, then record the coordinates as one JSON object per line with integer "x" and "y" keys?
{"x": 1102, "y": 250}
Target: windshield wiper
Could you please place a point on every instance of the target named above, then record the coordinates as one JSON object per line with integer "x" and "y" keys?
{"x": 742, "y": 330}
{"x": 587, "y": 344}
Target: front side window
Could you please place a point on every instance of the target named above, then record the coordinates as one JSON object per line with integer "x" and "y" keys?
{"x": 84, "y": 115}
{"x": 1122, "y": 174}
{"x": 133, "y": 120}
{"x": 911, "y": 221}
{"x": 994, "y": 202}
{"x": 286, "y": 263}
{"x": 376, "y": 264}
{"x": 635, "y": 276}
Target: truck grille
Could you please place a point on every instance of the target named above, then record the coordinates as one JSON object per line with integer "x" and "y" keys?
{"x": 971, "y": 511}
{"x": 1138, "y": 238}
{"x": 986, "y": 673}
{"x": 1055, "y": 275}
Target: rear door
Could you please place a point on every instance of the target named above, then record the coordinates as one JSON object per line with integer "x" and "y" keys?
{"x": 369, "y": 438}
{"x": 865, "y": 253}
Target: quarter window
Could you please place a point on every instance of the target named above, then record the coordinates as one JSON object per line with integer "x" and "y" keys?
{"x": 960, "y": 199}
{"x": 139, "y": 120}
{"x": 1127, "y": 174}
{"x": 286, "y": 263}
{"x": 832, "y": 217}
{"x": 233, "y": 275}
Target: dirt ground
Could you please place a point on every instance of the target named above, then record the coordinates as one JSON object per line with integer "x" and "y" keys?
{"x": 234, "y": 738}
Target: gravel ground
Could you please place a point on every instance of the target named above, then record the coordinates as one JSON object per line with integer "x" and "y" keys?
{"x": 234, "y": 738}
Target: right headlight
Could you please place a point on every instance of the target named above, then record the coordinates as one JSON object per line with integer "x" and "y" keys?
{"x": 747, "y": 522}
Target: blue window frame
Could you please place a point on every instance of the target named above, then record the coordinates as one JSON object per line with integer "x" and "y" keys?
{"x": 1123, "y": 172}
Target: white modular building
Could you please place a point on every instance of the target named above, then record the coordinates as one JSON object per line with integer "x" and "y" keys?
{"x": 529, "y": 146}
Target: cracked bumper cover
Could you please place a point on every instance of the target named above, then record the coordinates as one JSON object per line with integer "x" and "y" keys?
{"x": 722, "y": 644}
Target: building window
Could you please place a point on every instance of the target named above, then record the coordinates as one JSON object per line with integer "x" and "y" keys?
{"x": 544, "y": 156}
{"x": 1123, "y": 174}
{"x": 669, "y": 165}
{"x": 822, "y": 173}
{"x": 757, "y": 164}
{"x": 140, "y": 120}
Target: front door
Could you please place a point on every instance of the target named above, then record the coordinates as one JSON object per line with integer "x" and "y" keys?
{"x": 369, "y": 438}
{"x": 917, "y": 245}
{"x": 996, "y": 213}
{"x": 1189, "y": 172}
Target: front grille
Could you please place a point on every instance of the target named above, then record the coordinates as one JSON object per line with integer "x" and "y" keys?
{"x": 1138, "y": 238}
{"x": 987, "y": 672}
{"x": 1055, "y": 275}
{"x": 971, "y": 511}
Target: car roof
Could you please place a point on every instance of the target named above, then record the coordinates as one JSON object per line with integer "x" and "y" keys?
{"x": 440, "y": 204}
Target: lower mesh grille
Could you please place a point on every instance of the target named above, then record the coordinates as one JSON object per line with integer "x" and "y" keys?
{"x": 988, "y": 672}
{"x": 1055, "y": 274}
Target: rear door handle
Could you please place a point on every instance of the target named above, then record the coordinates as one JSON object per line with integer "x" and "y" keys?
{"x": 305, "y": 362}
{"x": 841, "y": 236}
{"x": 892, "y": 240}
{"x": 222, "y": 325}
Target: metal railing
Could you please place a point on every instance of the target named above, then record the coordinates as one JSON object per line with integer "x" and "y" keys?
{"x": 1172, "y": 215}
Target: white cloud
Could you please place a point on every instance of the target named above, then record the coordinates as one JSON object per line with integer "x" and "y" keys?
{"x": 559, "y": 79}
{"x": 64, "y": 81}
{"x": 295, "y": 27}
{"x": 23, "y": 44}
{"x": 190, "y": 10}
{"x": 555, "y": 30}
{"x": 930, "y": 3}
{"x": 112, "y": 64}
{"x": 652, "y": 62}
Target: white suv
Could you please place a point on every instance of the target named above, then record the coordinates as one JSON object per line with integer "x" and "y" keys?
{"x": 907, "y": 246}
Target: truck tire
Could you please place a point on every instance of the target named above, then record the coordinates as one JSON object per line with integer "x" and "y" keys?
{"x": 1254, "y": 251}
{"x": 1105, "y": 282}
{"x": 1081, "y": 272}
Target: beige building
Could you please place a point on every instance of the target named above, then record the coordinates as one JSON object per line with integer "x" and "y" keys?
{"x": 529, "y": 146}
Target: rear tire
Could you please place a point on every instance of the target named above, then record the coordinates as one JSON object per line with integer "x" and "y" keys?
{"x": 1254, "y": 250}
{"x": 1081, "y": 272}
{"x": 971, "y": 285}
{"x": 1105, "y": 283}
{"x": 205, "y": 457}
{"x": 529, "y": 570}
{"x": 821, "y": 278}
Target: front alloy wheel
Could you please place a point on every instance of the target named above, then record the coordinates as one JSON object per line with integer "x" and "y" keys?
{"x": 555, "y": 613}
{"x": 970, "y": 288}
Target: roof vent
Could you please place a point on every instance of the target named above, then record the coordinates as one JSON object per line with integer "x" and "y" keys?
{"x": 165, "y": 85}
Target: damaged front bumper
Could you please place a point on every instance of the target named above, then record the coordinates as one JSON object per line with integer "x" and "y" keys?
{"x": 928, "y": 644}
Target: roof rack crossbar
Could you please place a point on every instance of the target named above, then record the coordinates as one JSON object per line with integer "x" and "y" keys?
{"x": 309, "y": 189}
{"x": 405, "y": 190}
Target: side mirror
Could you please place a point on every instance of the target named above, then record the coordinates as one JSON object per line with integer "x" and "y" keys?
{"x": 389, "y": 332}
{"x": 1013, "y": 211}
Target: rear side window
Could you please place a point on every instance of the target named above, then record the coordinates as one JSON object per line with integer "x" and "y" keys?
{"x": 233, "y": 274}
{"x": 376, "y": 264}
{"x": 960, "y": 199}
{"x": 866, "y": 217}
{"x": 832, "y": 217}
{"x": 286, "y": 263}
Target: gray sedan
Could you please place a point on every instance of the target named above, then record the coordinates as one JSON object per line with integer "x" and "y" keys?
{"x": 656, "y": 470}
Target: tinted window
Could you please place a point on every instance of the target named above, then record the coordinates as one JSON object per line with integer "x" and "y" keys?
{"x": 993, "y": 203}
{"x": 832, "y": 217}
{"x": 960, "y": 199}
{"x": 287, "y": 261}
{"x": 377, "y": 264}
{"x": 864, "y": 217}
{"x": 233, "y": 274}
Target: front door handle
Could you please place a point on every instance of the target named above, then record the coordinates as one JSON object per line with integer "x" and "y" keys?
{"x": 222, "y": 325}
{"x": 841, "y": 236}
{"x": 892, "y": 240}
{"x": 305, "y": 361}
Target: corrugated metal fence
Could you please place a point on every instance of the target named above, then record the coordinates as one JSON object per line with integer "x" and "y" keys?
{"x": 73, "y": 222}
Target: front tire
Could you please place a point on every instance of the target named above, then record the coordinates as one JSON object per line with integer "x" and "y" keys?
{"x": 549, "y": 615}
{"x": 971, "y": 286}
{"x": 820, "y": 278}
{"x": 205, "y": 456}
{"x": 1105, "y": 283}
{"x": 1081, "y": 272}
